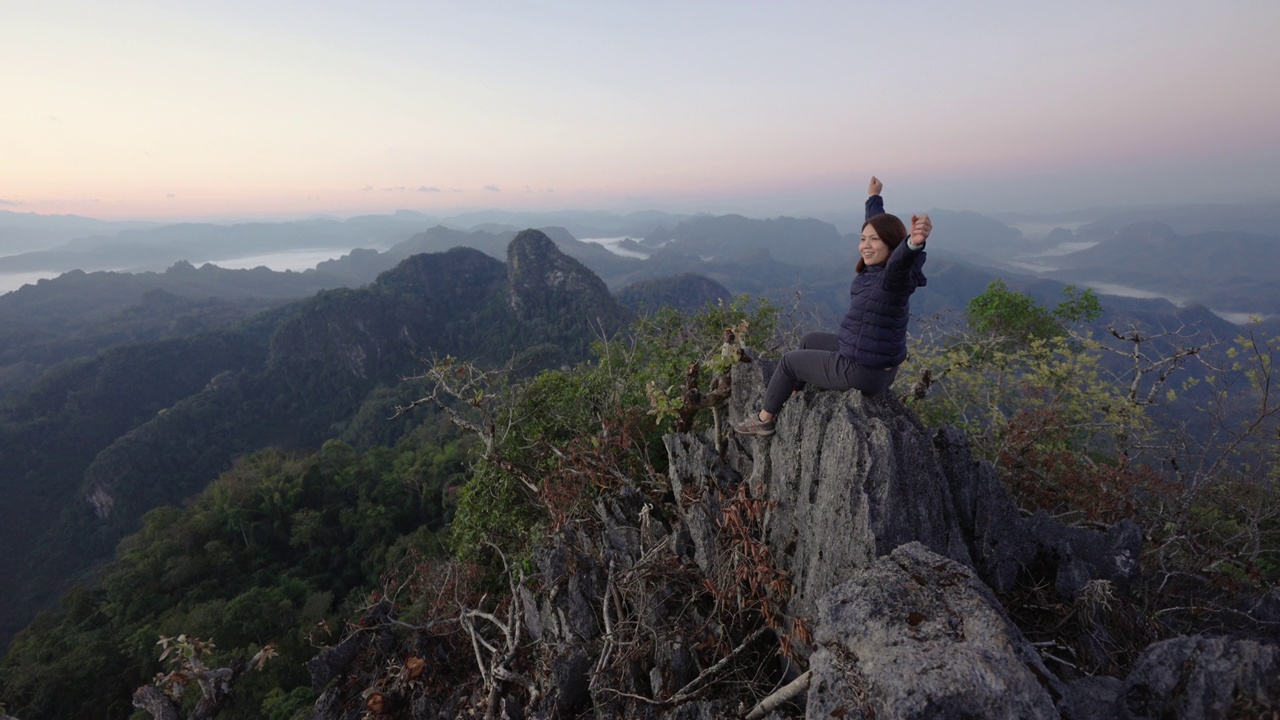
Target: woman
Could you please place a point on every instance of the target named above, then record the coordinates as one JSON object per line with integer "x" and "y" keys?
{"x": 872, "y": 342}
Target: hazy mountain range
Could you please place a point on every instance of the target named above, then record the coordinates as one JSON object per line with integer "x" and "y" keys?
{"x": 1221, "y": 256}
{"x": 121, "y": 392}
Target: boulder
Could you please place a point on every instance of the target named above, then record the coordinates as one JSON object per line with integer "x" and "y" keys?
{"x": 916, "y": 635}
{"x": 1202, "y": 678}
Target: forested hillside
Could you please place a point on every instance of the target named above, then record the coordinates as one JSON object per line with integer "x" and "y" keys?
{"x": 371, "y": 565}
{"x": 97, "y": 443}
{"x": 79, "y": 314}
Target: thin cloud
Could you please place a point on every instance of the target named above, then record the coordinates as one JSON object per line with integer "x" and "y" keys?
{"x": 428, "y": 188}
{"x": 10, "y": 203}
{"x": 367, "y": 188}
{"x": 171, "y": 195}
{"x": 492, "y": 188}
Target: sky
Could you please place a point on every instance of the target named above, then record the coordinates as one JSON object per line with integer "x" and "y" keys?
{"x": 260, "y": 109}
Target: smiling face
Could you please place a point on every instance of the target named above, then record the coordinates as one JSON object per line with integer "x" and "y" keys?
{"x": 873, "y": 250}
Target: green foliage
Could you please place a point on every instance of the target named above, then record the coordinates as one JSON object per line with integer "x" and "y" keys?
{"x": 981, "y": 385}
{"x": 70, "y": 420}
{"x": 557, "y": 439}
{"x": 1018, "y": 318}
{"x": 667, "y": 343}
{"x": 1072, "y": 439}
{"x": 1225, "y": 517}
{"x": 265, "y": 555}
{"x": 1244, "y": 393}
{"x": 1033, "y": 399}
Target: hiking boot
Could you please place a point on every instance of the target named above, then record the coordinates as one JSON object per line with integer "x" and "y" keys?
{"x": 755, "y": 426}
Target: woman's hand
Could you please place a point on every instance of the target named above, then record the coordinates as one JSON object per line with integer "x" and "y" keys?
{"x": 875, "y": 186}
{"x": 921, "y": 226}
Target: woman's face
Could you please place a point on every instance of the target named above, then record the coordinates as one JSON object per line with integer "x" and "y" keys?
{"x": 874, "y": 250}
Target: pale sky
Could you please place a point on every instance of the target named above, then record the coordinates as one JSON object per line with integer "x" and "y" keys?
{"x": 232, "y": 108}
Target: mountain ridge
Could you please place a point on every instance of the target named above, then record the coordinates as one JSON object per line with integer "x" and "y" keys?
{"x": 324, "y": 357}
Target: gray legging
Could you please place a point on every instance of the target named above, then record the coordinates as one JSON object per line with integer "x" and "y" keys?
{"x": 819, "y": 361}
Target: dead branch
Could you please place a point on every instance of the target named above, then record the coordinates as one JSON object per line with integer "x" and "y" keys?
{"x": 696, "y": 685}
{"x": 781, "y": 696}
{"x": 1144, "y": 364}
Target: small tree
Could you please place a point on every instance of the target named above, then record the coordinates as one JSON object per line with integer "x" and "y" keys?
{"x": 1033, "y": 398}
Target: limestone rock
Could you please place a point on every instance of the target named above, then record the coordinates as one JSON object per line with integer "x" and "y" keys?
{"x": 853, "y": 478}
{"x": 1203, "y": 678}
{"x": 915, "y": 635}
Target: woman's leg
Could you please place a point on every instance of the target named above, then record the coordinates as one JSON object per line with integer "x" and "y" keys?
{"x": 829, "y": 342}
{"x": 829, "y": 370}
{"x": 871, "y": 381}
{"x": 820, "y": 367}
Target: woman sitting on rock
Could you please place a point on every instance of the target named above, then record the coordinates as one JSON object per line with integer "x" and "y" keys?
{"x": 872, "y": 342}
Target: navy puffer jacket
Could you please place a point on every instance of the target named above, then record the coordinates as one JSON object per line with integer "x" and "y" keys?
{"x": 874, "y": 331}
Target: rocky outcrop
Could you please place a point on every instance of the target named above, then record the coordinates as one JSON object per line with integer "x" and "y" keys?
{"x": 888, "y": 547}
{"x": 855, "y": 477}
{"x": 1202, "y": 677}
{"x": 915, "y": 635}
{"x": 540, "y": 277}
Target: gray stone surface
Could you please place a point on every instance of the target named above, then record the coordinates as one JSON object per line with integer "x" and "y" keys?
{"x": 1203, "y": 678}
{"x": 915, "y": 635}
{"x": 1092, "y": 698}
{"x": 853, "y": 478}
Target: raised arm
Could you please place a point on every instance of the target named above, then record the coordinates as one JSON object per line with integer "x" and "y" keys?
{"x": 921, "y": 227}
{"x": 875, "y": 203}
{"x": 907, "y": 258}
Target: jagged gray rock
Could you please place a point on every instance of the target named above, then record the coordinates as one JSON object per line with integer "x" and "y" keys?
{"x": 854, "y": 477}
{"x": 1091, "y": 698}
{"x": 915, "y": 635}
{"x": 1202, "y": 678}
{"x": 1003, "y": 543}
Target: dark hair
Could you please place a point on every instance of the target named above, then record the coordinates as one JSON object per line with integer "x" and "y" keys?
{"x": 891, "y": 231}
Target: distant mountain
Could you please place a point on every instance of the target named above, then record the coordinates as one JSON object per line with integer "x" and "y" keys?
{"x": 728, "y": 237}
{"x": 364, "y": 265}
{"x": 687, "y": 292}
{"x": 1259, "y": 218}
{"x": 155, "y": 248}
{"x": 973, "y": 235}
{"x": 26, "y": 232}
{"x": 96, "y": 443}
{"x": 78, "y": 314}
{"x": 580, "y": 224}
{"x": 1227, "y": 271}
